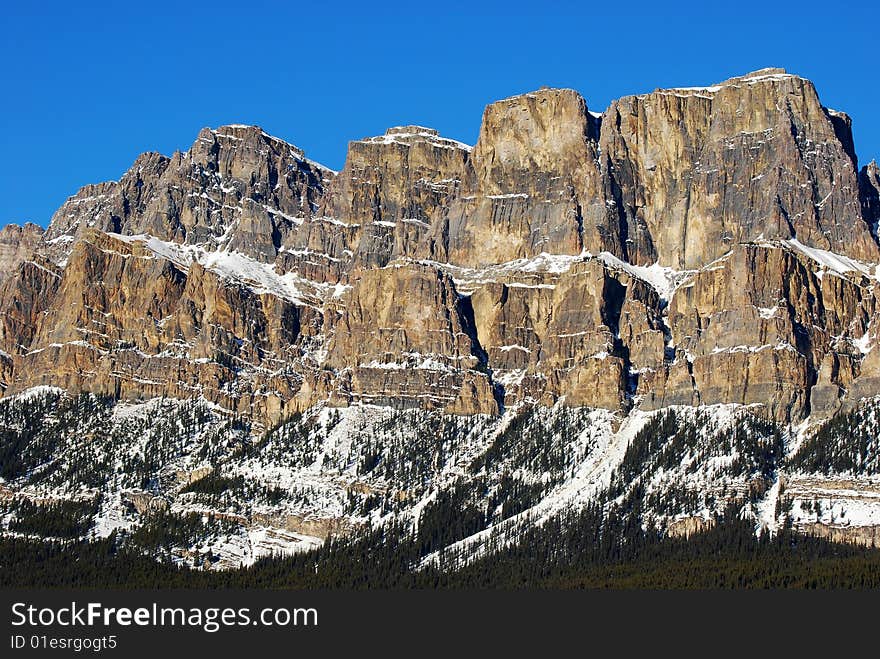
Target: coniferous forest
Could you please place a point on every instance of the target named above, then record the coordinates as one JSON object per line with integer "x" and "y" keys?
{"x": 581, "y": 550}
{"x": 185, "y": 479}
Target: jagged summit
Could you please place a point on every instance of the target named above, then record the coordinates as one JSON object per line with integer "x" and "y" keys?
{"x": 245, "y": 132}
{"x": 26, "y": 226}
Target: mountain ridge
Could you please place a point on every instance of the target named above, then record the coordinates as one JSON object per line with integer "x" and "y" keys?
{"x": 413, "y": 196}
{"x": 711, "y": 251}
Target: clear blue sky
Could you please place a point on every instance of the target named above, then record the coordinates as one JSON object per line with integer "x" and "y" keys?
{"x": 88, "y": 86}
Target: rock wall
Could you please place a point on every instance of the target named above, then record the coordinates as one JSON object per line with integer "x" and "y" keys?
{"x": 686, "y": 246}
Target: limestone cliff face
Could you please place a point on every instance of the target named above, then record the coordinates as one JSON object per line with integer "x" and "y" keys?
{"x": 869, "y": 186}
{"x": 26, "y": 282}
{"x": 766, "y": 324}
{"x": 554, "y": 335}
{"x": 125, "y": 322}
{"x": 17, "y": 244}
{"x": 700, "y": 170}
{"x": 536, "y": 185}
{"x": 386, "y": 347}
{"x": 687, "y": 246}
{"x": 24, "y": 296}
{"x": 393, "y": 187}
{"x": 236, "y": 188}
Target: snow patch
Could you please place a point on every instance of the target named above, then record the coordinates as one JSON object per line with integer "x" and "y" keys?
{"x": 836, "y": 263}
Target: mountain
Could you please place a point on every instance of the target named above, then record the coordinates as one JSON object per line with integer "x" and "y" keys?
{"x": 666, "y": 307}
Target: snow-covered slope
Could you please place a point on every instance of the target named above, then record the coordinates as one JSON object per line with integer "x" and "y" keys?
{"x": 244, "y": 493}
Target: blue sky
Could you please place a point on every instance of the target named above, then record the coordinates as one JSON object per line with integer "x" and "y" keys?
{"x": 89, "y": 86}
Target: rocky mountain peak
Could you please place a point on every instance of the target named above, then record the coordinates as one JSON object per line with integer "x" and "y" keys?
{"x": 412, "y": 130}
{"x": 767, "y": 75}
{"x": 237, "y": 187}
{"x": 701, "y": 169}
{"x": 769, "y": 71}
{"x": 542, "y": 130}
{"x": 536, "y": 184}
{"x": 392, "y": 191}
{"x": 241, "y": 143}
{"x": 17, "y": 232}
{"x": 410, "y": 135}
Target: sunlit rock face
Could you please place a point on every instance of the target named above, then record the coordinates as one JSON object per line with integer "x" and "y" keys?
{"x": 700, "y": 170}
{"x": 687, "y": 246}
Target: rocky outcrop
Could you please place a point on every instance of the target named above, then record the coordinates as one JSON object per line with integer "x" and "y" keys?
{"x": 24, "y": 297}
{"x": 536, "y": 185}
{"x": 17, "y": 244}
{"x": 765, "y": 324}
{"x": 386, "y": 347}
{"x": 698, "y": 170}
{"x": 687, "y": 246}
{"x": 688, "y": 526}
{"x": 554, "y": 335}
{"x": 127, "y": 322}
{"x": 145, "y": 503}
{"x": 322, "y": 528}
{"x": 869, "y": 187}
{"x": 236, "y": 188}
{"x": 865, "y": 536}
{"x": 393, "y": 188}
